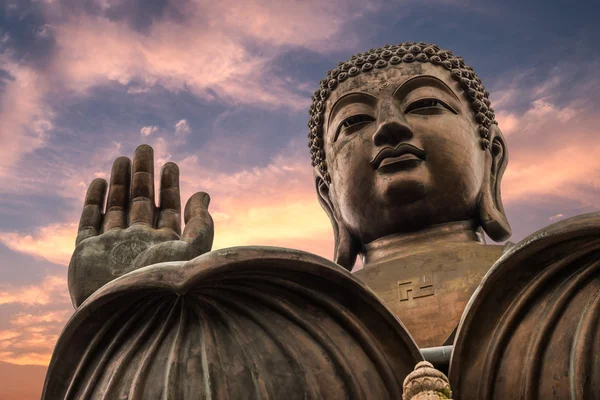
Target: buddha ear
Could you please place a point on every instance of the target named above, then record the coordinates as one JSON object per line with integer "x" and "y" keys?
{"x": 491, "y": 211}
{"x": 345, "y": 252}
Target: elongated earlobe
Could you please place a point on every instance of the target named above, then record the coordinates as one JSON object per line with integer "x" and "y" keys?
{"x": 345, "y": 251}
{"x": 491, "y": 211}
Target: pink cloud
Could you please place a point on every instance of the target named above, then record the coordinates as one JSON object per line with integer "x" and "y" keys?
{"x": 553, "y": 149}
{"x": 182, "y": 127}
{"x": 31, "y": 338}
{"x": 312, "y": 23}
{"x": 51, "y": 290}
{"x": 25, "y": 118}
{"x": 197, "y": 56}
{"x": 274, "y": 205}
{"x": 54, "y": 243}
{"x": 148, "y": 130}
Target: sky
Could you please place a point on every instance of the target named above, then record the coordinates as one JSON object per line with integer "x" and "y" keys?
{"x": 222, "y": 88}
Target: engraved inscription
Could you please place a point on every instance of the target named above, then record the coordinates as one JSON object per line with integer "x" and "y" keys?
{"x": 123, "y": 254}
{"x": 420, "y": 287}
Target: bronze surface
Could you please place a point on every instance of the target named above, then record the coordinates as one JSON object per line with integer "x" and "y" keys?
{"x": 428, "y": 291}
{"x": 532, "y": 329}
{"x": 238, "y": 323}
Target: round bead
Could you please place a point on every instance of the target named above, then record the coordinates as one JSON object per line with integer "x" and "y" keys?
{"x": 380, "y": 63}
{"x": 408, "y": 58}
{"x": 436, "y": 60}
{"x": 386, "y": 54}
{"x": 483, "y": 132}
{"x": 429, "y": 51}
{"x": 416, "y": 49}
{"x": 367, "y": 67}
{"x": 395, "y": 60}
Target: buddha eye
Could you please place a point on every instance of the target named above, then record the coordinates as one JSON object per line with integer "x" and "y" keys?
{"x": 428, "y": 106}
{"x": 354, "y": 121}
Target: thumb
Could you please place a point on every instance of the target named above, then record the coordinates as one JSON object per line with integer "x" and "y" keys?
{"x": 199, "y": 228}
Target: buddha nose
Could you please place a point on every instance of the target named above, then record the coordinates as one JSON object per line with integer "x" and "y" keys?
{"x": 392, "y": 126}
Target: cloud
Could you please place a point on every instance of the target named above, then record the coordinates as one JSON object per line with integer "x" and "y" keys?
{"x": 556, "y": 217}
{"x": 312, "y": 24}
{"x": 182, "y": 128}
{"x": 148, "y": 130}
{"x": 30, "y": 339}
{"x": 54, "y": 242}
{"x": 179, "y": 57}
{"x": 51, "y": 289}
{"x": 273, "y": 205}
{"x": 552, "y": 146}
{"x": 25, "y": 118}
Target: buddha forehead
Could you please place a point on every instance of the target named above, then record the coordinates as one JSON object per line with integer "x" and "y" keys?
{"x": 384, "y": 82}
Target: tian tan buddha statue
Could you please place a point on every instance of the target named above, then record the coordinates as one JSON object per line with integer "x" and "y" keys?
{"x": 408, "y": 161}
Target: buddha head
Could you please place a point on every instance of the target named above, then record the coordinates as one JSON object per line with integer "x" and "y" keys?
{"x": 404, "y": 138}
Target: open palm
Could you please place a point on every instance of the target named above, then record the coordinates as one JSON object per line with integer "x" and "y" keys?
{"x": 131, "y": 231}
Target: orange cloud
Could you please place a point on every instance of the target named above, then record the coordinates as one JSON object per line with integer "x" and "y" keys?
{"x": 552, "y": 151}
{"x": 54, "y": 243}
{"x": 274, "y": 205}
{"x": 51, "y": 290}
{"x": 32, "y": 337}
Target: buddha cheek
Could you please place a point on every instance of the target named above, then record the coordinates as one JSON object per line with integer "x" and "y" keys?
{"x": 352, "y": 183}
{"x": 456, "y": 167}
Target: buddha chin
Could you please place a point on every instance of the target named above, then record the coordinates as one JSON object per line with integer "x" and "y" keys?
{"x": 402, "y": 183}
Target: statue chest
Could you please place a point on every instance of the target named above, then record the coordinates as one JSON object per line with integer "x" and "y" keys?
{"x": 428, "y": 291}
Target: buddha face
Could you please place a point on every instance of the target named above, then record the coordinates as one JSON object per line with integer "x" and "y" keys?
{"x": 402, "y": 150}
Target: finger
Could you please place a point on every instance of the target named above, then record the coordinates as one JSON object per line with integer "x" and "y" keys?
{"x": 199, "y": 227}
{"x": 118, "y": 195}
{"x": 141, "y": 209}
{"x": 170, "y": 200}
{"x": 91, "y": 216}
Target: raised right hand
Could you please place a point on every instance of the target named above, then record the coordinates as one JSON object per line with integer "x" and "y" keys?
{"x": 132, "y": 232}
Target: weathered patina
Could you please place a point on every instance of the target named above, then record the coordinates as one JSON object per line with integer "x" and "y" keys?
{"x": 408, "y": 161}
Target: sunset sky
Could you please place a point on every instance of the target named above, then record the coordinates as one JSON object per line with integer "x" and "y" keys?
{"x": 222, "y": 88}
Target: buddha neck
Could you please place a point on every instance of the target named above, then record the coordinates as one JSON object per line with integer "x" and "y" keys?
{"x": 404, "y": 244}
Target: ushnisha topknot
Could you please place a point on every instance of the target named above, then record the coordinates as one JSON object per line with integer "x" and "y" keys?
{"x": 406, "y": 52}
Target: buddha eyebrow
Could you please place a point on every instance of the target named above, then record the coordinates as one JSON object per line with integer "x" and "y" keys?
{"x": 420, "y": 81}
{"x": 349, "y": 98}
